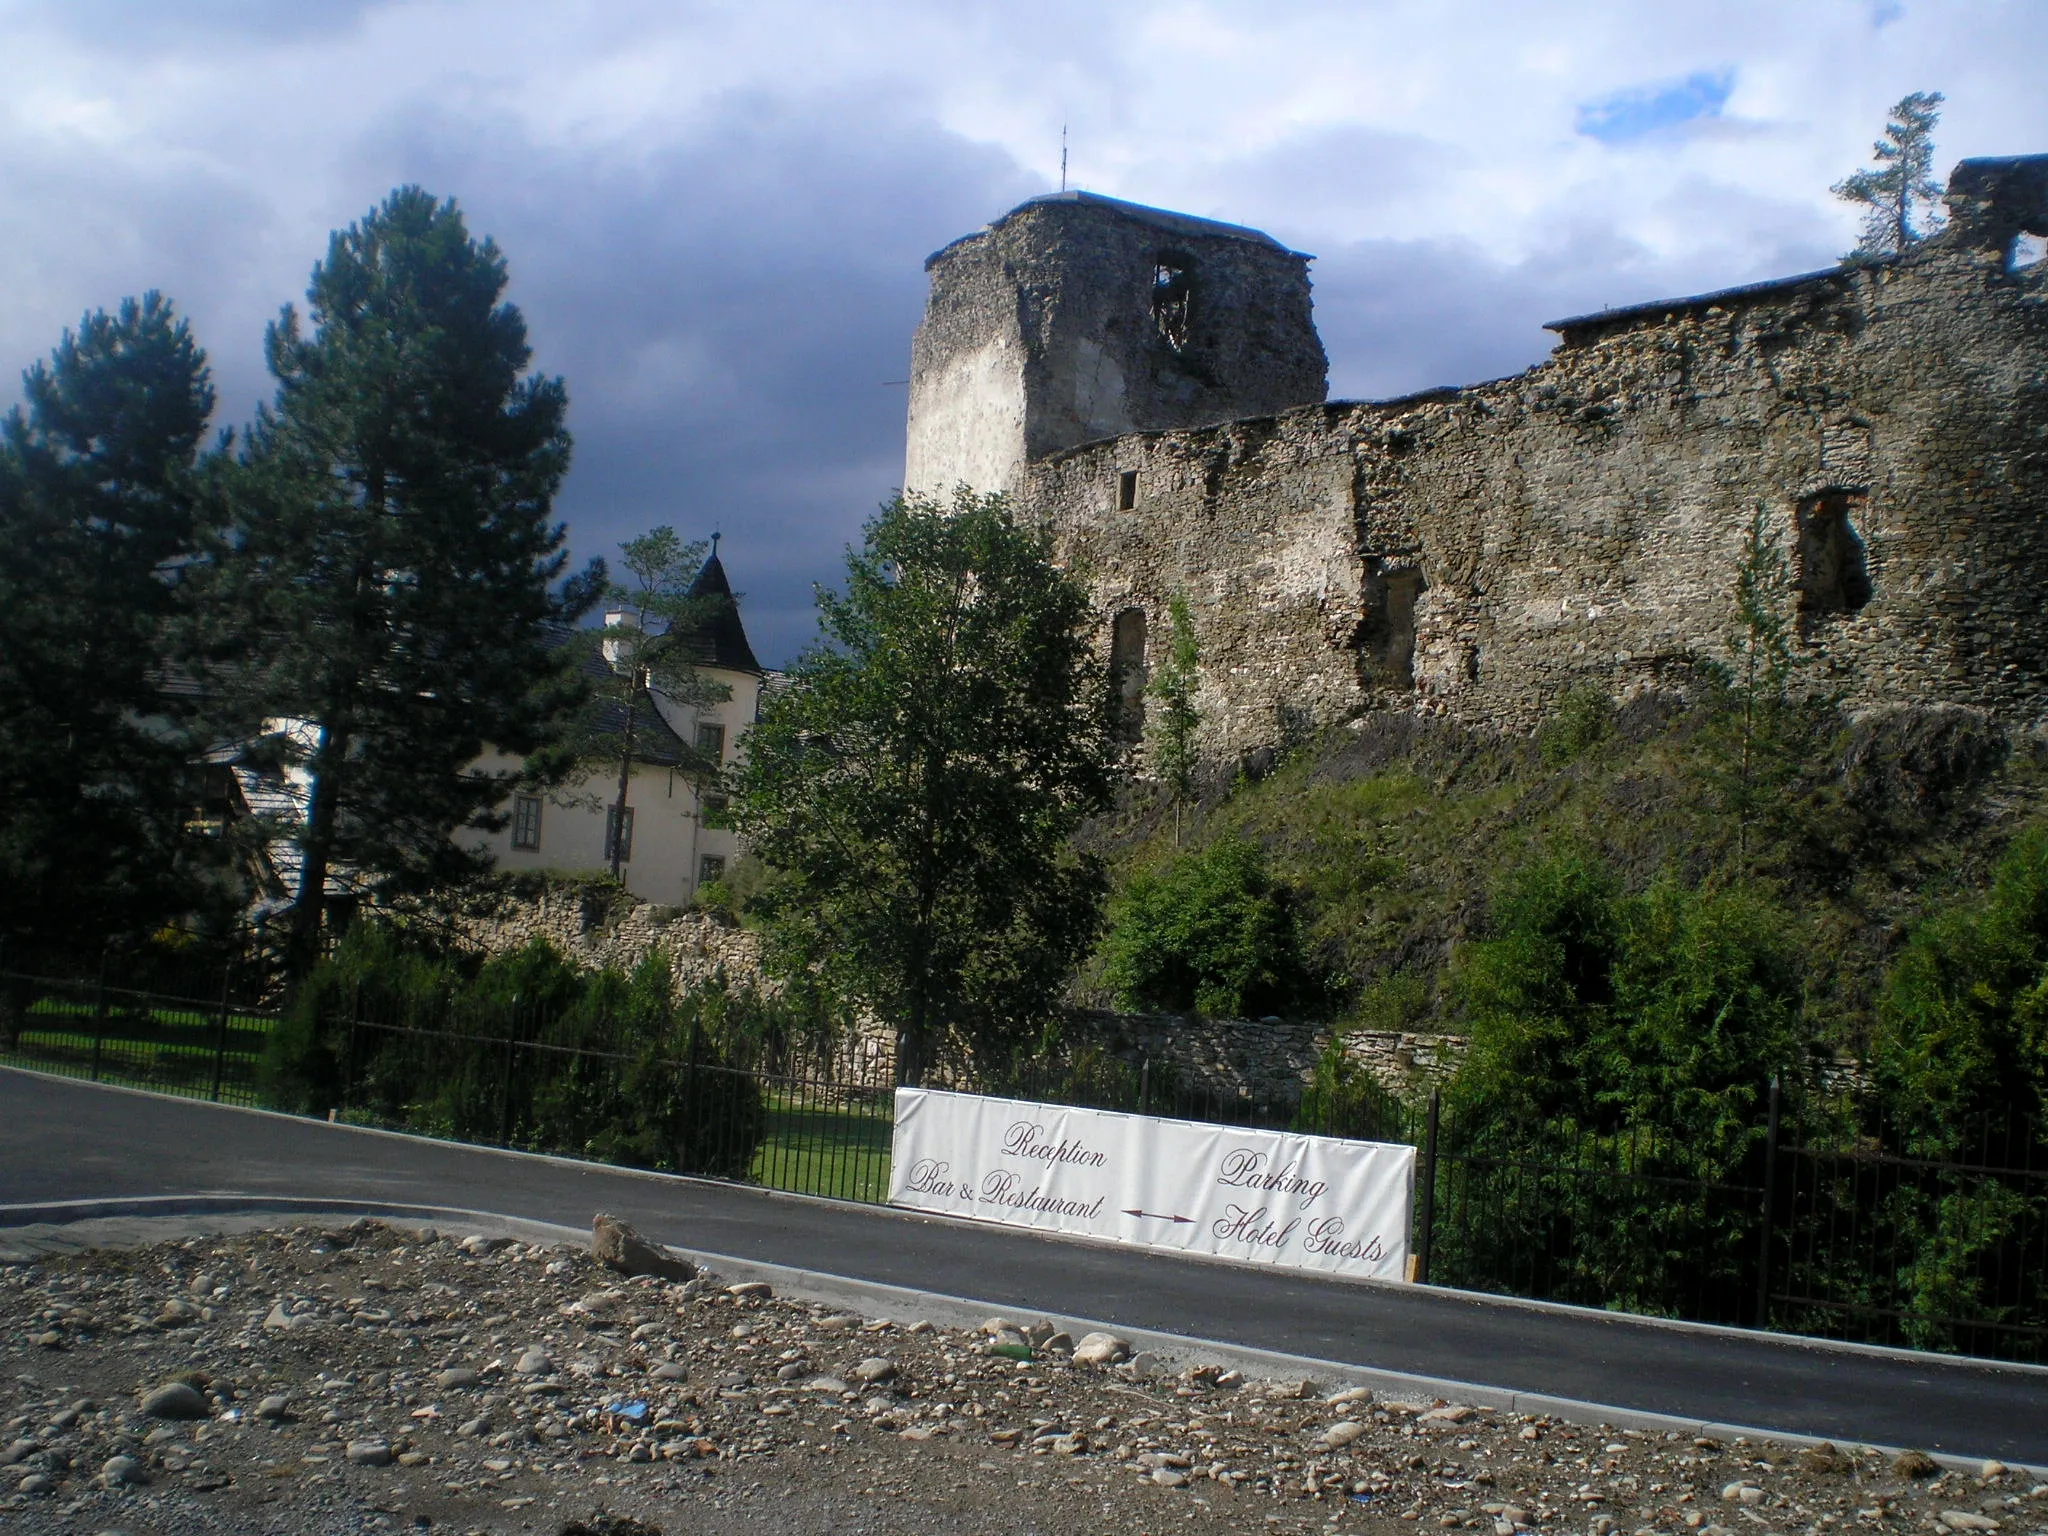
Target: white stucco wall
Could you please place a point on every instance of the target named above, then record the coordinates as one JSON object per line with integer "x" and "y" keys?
{"x": 670, "y": 839}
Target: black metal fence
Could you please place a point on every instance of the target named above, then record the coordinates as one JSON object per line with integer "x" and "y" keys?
{"x": 1832, "y": 1221}
{"x": 181, "y": 1041}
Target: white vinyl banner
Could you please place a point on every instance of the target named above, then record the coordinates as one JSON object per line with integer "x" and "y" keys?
{"x": 1272, "y": 1197}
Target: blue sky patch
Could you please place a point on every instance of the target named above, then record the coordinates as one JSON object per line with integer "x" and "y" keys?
{"x": 1648, "y": 109}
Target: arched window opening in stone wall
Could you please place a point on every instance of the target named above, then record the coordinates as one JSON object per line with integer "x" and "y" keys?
{"x": 1387, "y": 636}
{"x": 1127, "y": 674}
{"x": 1173, "y": 295}
{"x": 1829, "y": 568}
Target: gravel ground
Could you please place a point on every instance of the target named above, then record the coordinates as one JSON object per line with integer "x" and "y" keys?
{"x": 367, "y": 1378}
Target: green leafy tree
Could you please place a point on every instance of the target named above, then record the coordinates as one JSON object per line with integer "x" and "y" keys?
{"x": 1212, "y": 932}
{"x": 99, "y": 491}
{"x": 1628, "y": 1033}
{"x": 916, "y": 785}
{"x": 1963, "y": 1025}
{"x": 1174, "y": 726}
{"x": 655, "y": 642}
{"x": 386, "y": 576}
{"x": 1898, "y": 195}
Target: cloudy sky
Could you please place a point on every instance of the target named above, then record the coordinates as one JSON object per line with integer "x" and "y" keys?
{"x": 716, "y": 213}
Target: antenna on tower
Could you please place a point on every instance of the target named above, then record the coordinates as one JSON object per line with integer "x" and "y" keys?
{"x": 1063, "y": 157}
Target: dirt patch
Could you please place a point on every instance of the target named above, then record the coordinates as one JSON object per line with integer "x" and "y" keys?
{"x": 365, "y": 1378}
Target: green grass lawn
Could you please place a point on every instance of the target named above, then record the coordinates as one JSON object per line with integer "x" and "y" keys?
{"x": 163, "y": 1049}
{"x": 840, "y": 1150}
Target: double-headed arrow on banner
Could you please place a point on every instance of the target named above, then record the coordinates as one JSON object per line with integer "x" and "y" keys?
{"x": 1160, "y": 1216}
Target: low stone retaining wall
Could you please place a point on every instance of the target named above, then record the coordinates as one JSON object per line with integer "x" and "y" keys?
{"x": 599, "y": 926}
{"x": 1269, "y": 1061}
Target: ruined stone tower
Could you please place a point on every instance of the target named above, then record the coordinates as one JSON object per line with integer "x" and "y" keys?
{"x": 1076, "y": 317}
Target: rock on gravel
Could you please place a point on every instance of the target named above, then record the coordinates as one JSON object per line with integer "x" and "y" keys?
{"x": 123, "y": 1472}
{"x": 1101, "y": 1349}
{"x": 370, "y": 1453}
{"x": 1916, "y": 1465}
{"x": 175, "y": 1400}
{"x": 617, "y": 1246}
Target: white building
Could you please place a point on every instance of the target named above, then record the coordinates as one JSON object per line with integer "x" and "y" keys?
{"x": 676, "y": 839}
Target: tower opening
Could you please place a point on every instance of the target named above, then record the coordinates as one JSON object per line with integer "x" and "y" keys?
{"x": 1388, "y": 633}
{"x": 1127, "y": 674}
{"x": 1830, "y": 569}
{"x": 1173, "y": 292}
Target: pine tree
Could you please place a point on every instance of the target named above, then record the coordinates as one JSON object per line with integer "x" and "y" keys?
{"x": 1900, "y": 189}
{"x": 388, "y": 569}
{"x": 99, "y": 483}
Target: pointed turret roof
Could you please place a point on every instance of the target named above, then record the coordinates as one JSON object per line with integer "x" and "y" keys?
{"x": 721, "y": 639}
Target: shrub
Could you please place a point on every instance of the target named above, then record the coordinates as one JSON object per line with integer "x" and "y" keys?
{"x": 1212, "y": 932}
{"x": 1583, "y": 719}
{"x": 526, "y": 1048}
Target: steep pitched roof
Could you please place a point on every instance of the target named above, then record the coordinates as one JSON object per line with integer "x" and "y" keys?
{"x": 721, "y": 640}
{"x": 654, "y": 742}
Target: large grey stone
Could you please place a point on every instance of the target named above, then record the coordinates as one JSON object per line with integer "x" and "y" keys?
{"x": 175, "y": 1400}
{"x": 619, "y": 1247}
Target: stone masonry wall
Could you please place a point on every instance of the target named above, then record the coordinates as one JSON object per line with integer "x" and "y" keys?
{"x": 1583, "y": 521}
{"x": 1268, "y": 1062}
{"x": 598, "y": 927}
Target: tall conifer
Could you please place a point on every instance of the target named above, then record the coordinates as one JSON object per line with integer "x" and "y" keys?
{"x": 389, "y": 566}
{"x": 97, "y": 498}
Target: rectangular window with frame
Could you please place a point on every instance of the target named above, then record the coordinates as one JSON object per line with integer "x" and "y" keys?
{"x": 526, "y": 822}
{"x": 715, "y": 806}
{"x": 1126, "y": 490}
{"x": 618, "y": 833}
{"x": 710, "y": 868}
{"x": 711, "y": 741}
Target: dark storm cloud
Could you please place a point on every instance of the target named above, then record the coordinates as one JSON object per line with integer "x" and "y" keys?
{"x": 107, "y": 229}
{"x": 732, "y": 314}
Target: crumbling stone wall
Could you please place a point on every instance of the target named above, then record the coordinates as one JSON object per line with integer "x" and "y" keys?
{"x": 600, "y": 926}
{"x": 1263, "y": 1061}
{"x": 1477, "y": 552}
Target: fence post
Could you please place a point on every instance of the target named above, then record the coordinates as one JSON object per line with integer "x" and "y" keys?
{"x": 1763, "y": 1261}
{"x": 99, "y": 1018}
{"x": 220, "y": 1047}
{"x": 1424, "y": 1240}
{"x": 351, "y": 1056}
{"x": 505, "y": 1104}
{"x": 1145, "y": 1085}
{"x": 695, "y": 1129}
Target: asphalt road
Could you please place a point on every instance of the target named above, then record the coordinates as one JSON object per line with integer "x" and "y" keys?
{"x": 62, "y": 1140}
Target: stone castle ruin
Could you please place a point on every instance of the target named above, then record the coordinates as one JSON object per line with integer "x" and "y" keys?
{"x": 1152, "y": 386}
